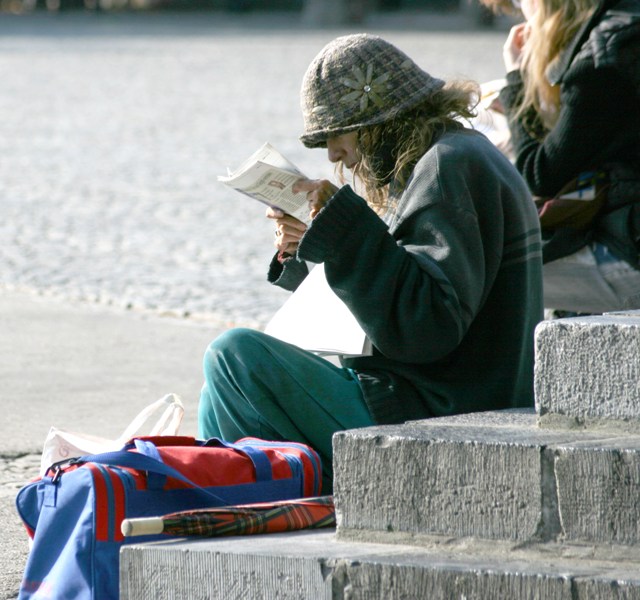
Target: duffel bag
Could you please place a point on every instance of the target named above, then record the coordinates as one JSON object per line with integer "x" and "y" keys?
{"x": 74, "y": 513}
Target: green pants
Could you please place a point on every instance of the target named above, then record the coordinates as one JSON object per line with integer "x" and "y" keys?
{"x": 256, "y": 385}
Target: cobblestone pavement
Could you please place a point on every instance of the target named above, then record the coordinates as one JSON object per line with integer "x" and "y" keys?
{"x": 15, "y": 471}
{"x": 114, "y": 128}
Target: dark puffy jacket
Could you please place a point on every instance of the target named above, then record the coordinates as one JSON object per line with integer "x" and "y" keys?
{"x": 598, "y": 127}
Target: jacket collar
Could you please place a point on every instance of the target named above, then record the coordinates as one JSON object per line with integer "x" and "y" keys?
{"x": 556, "y": 72}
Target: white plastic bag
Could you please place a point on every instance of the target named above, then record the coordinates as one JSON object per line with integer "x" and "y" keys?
{"x": 62, "y": 445}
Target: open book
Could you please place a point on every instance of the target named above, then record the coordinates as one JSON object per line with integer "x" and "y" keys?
{"x": 315, "y": 319}
{"x": 267, "y": 176}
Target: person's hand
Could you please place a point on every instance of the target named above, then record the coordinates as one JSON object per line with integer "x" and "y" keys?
{"x": 319, "y": 192}
{"x": 512, "y": 49}
{"x": 289, "y": 230}
{"x": 497, "y": 106}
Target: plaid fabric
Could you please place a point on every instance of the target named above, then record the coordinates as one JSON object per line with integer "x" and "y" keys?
{"x": 248, "y": 519}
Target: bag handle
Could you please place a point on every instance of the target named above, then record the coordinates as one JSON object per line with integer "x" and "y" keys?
{"x": 134, "y": 460}
{"x": 156, "y": 481}
{"x": 167, "y": 423}
{"x": 143, "y": 462}
{"x": 260, "y": 460}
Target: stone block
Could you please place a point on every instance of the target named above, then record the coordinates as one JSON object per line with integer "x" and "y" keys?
{"x": 495, "y": 476}
{"x": 317, "y": 566}
{"x": 587, "y": 371}
{"x": 598, "y": 486}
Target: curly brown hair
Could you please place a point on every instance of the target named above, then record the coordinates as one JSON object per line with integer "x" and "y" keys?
{"x": 407, "y": 137}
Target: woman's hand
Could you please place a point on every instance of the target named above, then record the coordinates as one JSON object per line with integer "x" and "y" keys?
{"x": 319, "y": 192}
{"x": 289, "y": 230}
{"x": 512, "y": 49}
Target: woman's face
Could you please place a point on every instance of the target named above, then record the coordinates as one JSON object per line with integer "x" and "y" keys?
{"x": 344, "y": 148}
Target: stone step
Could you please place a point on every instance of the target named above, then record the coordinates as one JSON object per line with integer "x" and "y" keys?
{"x": 506, "y": 504}
{"x": 319, "y": 566}
{"x": 494, "y": 476}
{"x": 587, "y": 371}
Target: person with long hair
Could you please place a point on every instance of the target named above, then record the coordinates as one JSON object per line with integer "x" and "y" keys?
{"x": 572, "y": 101}
{"x": 435, "y": 249}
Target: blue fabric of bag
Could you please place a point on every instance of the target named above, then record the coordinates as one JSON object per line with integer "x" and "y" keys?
{"x": 75, "y": 517}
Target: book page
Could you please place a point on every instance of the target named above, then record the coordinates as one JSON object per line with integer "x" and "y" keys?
{"x": 315, "y": 319}
{"x": 267, "y": 177}
{"x": 272, "y": 186}
{"x": 269, "y": 155}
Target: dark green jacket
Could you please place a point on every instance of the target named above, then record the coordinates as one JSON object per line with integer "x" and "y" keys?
{"x": 447, "y": 287}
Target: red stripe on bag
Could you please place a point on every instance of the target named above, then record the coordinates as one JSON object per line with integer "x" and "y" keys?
{"x": 118, "y": 505}
{"x": 138, "y": 477}
{"x": 102, "y": 503}
{"x": 310, "y": 459}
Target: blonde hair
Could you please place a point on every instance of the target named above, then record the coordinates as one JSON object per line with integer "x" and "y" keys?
{"x": 408, "y": 136}
{"x": 552, "y": 27}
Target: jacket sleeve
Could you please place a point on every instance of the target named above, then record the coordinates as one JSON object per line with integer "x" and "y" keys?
{"x": 287, "y": 274}
{"x": 596, "y": 105}
{"x": 415, "y": 292}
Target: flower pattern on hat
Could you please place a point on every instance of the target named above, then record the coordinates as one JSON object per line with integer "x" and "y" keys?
{"x": 365, "y": 87}
{"x": 357, "y": 81}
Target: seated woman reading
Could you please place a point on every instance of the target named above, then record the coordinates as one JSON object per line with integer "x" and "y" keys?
{"x": 436, "y": 252}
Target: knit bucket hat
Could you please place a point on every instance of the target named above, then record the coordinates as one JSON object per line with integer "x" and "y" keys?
{"x": 356, "y": 81}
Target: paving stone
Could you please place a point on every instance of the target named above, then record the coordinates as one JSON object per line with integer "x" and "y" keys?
{"x": 115, "y": 128}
